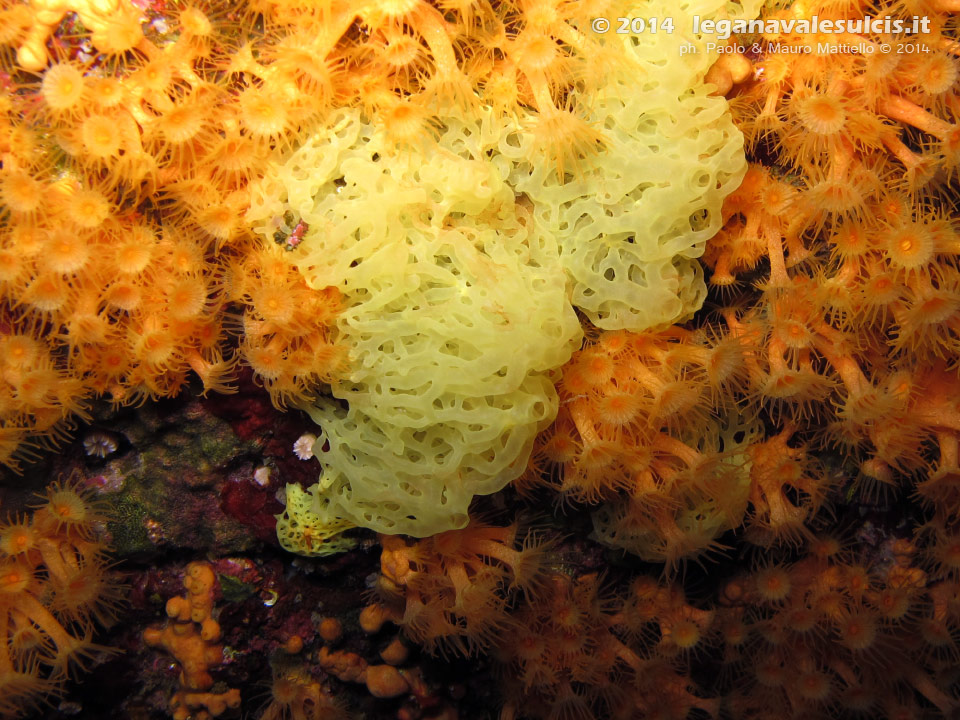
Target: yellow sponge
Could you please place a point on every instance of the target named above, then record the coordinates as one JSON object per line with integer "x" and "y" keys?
{"x": 456, "y": 312}
{"x": 461, "y": 262}
{"x": 308, "y": 527}
{"x": 631, "y": 223}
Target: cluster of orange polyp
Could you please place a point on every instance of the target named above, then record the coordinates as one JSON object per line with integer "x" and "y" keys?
{"x": 124, "y": 175}
{"x": 55, "y": 588}
{"x": 453, "y": 591}
{"x": 852, "y": 245}
{"x": 128, "y": 139}
{"x": 836, "y": 328}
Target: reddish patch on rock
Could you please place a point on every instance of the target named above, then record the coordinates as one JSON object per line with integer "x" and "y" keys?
{"x": 252, "y": 505}
{"x": 253, "y": 418}
{"x": 249, "y": 411}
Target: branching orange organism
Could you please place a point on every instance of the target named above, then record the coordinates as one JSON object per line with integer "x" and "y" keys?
{"x": 190, "y": 636}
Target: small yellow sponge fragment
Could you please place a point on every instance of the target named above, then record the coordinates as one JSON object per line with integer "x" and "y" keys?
{"x": 308, "y": 527}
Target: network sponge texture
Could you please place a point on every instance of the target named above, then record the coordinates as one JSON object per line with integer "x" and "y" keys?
{"x": 461, "y": 252}
{"x": 456, "y": 312}
{"x": 632, "y": 221}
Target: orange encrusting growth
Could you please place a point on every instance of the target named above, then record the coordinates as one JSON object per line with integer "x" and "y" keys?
{"x": 191, "y": 636}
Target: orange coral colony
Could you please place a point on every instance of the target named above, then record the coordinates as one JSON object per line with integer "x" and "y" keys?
{"x": 55, "y": 588}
